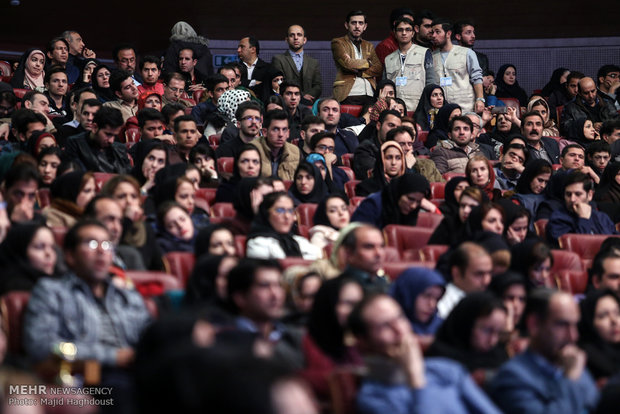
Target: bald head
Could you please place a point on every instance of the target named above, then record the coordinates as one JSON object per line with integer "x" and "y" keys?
{"x": 587, "y": 90}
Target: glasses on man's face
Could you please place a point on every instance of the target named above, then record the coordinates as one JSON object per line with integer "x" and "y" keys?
{"x": 93, "y": 245}
{"x": 613, "y": 75}
{"x": 282, "y": 211}
{"x": 175, "y": 90}
{"x": 251, "y": 118}
{"x": 325, "y": 148}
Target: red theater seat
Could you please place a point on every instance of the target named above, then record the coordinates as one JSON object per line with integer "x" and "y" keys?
{"x": 585, "y": 245}
{"x": 348, "y": 171}
{"x": 565, "y": 260}
{"x": 207, "y": 194}
{"x": 225, "y": 164}
{"x": 429, "y": 220}
{"x": 101, "y": 178}
{"x": 12, "y": 306}
{"x": 180, "y": 264}
{"x": 406, "y": 237}
{"x": 223, "y": 210}
{"x": 394, "y": 269}
{"x": 305, "y": 213}
{"x": 349, "y": 188}
{"x": 354, "y": 110}
{"x": 347, "y": 159}
{"x": 437, "y": 190}
{"x": 164, "y": 280}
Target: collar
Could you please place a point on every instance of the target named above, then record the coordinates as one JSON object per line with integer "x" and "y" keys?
{"x": 253, "y": 64}
{"x": 300, "y": 54}
{"x": 545, "y": 365}
{"x": 248, "y": 325}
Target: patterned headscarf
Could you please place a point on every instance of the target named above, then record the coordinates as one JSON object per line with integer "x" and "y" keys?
{"x": 375, "y": 110}
{"x": 229, "y": 102}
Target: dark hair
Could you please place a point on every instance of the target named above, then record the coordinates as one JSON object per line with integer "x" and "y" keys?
{"x": 76, "y": 94}
{"x": 9, "y": 97}
{"x": 90, "y": 211}
{"x": 461, "y": 256}
{"x": 150, "y": 59}
{"x": 391, "y": 135}
{"x": 201, "y": 149}
{"x": 52, "y": 44}
{"x": 445, "y": 24}
{"x": 604, "y": 70}
{"x": 21, "y": 118}
{"x": 575, "y": 177}
{"x": 608, "y": 127}
{"x": 460, "y": 25}
{"x": 382, "y": 84}
{"x": 170, "y": 109}
{"x": 597, "y": 268}
{"x": 49, "y": 151}
{"x": 395, "y": 14}
{"x": 253, "y": 42}
{"x": 213, "y": 80}
{"x": 53, "y": 70}
{"x": 529, "y": 114}
{"x": 598, "y": 146}
{"x": 72, "y": 238}
{"x": 119, "y": 47}
{"x": 108, "y": 117}
{"x": 401, "y": 102}
{"x": 20, "y": 172}
{"x": 310, "y": 120}
{"x": 92, "y": 103}
{"x": 356, "y": 13}
{"x": 183, "y": 118}
{"x": 173, "y": 75}
{"x": 520, "y": 147}
{"x": 277, "y": 115}
{"x": 149, "y": 114}
{"x": 461, "y": 118}
{"x": 319, "y": 136}
{"x": 244, "y": 106}
{"x": 400, "y": 20}
{"x": 355, "y": 322}
{"x": 289, "y": 84}
{"x": 29, "y": 96}
{"x": 538, "y": 303}
{"x": 569, "y": 146}
{"x": 241, "y": 277}
{"x": 188, "y": 48}
{"x": 423, "y": 14}
{"x": 574, "y": 75}
{"x": 117, "y": 78}
{"x": 385, "y": 114}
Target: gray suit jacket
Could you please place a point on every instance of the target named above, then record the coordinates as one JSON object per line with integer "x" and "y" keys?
{"x": 309, "y": 78}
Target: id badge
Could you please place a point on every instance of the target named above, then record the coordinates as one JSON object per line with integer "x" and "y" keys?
{"x": 401, "y": 81}
{"x": 447, "y": 81}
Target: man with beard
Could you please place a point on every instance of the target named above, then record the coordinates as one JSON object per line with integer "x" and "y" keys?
{"x": 423, "y": 28}
{"x": 465, "y": 34}
{"x": 540, "y": 147}
{"x": 123, "y": 86}
{"x": 125, "y": 59}
{"x": 329, "y": 112}
{"x": 249, "y": 121}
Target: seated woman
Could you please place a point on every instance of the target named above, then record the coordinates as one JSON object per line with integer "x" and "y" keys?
{"x": 48, "y": 161}
{"x": 504, "y": 128}
{"x": 30, "y": 71}
{"x": 530, "y": 190}
{"x": 150, "y": 157}
{"x": 246, "y": 165}
{"x": 308, "y": 185}
{"x": 532, "y": 259}
{"x": 183, "y": 192}
{"x": 516, "y": 222}
{"x": 38, "y": 141}
{"x": 607, "y": 195}
{"x": 150, "y": 99}
{"x": 271, "y": 233}
{"x": 86, "y": 75}
{"x": 471, "y": 334}
{"x": 215, "y": 240}
{"x": 227, "y": 105}
{"x": 175, "y": 230}
{"x": 511, "y": 288}
{"x": 398, "y": 203}
{"x": 27, "y": 254}
{"x": 487, "y": 217}
{"x": 417, "y": 290}
{"x": 442, "y": 122}
{"x": 452, "y": 226}
{"x": 203, "y": 157}
{"x": 582, "y": 132}
{"x": 599, "y": 333}
{"x": 541, "y": 106}
{"x": 452, "y": 194}
{"x": 480, "y": 173}
{"x": 325, "y": 346}
{"x": 389, "y": 166}
{"x": 209, "y": 280}
{"x": 331, "y": 215}
{"x": 431, "y": 101}
{"x": 70, "y": 193}
{"x": 508, "y": 86}
{"x": 248, "y": 197}
{"x": 101, "y": 84}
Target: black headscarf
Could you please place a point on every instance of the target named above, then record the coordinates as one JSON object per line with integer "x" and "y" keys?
{"x": 512, "y": 212}
{"x": 509, "y": 91}
{"x": 261, "y": 227}
{"x": 453, "y": 339}
{"x": 320, "y": 214}
{"x": 442, "y": 125}
{"x": 450, "y": 205}
{"x": 319, "y": 191}
{"x": 104, "y": 94}
{"x": 603, "y": 357}
{"x": 554, "y": 82}
{"x": 201, "y": 284}
{"x": 505, "y": 137}
{"x": 203, "y": 239}
{"x": 532, "y": 169}
{"x": 143, "y": 149}
{"x": 399, "y": 186}
{"x": 522, "y": 259}
{"x": 609, "y": 189}
{"x": 32, "y": 145}
{"x": 424, "y": 106}
{"x": 243, "y": 201}
{"x": 575, "y": 132}
{"x": 67, "y": 186}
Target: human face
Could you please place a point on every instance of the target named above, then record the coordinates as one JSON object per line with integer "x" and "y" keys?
{"x": 540, "y": 274}
{"x": 477, "y": 276}
{"x": 311, "y": 131}
{"x": 230, "y": 75}
{"x": 559, "y": 329}
{"x": 393, "y": 162}
{"x": 515, "y": 298}
{"x": 129, "y": 92}
{"x": 276, "y": 82}
{"x": 76, "y": 44}
{"x": 6, "y": 109}
{"x": 405, "y": 141}
{"x": 407, "y": 203}
{"x": 222, "y": 243}
{"x": 503, "y": 123}
{"x": 330, "y": 113}
{"x": 150, "y": 73}
{"x": 249, "y": 164}
{"x": 607, "y": 319}
{"x": 186, "y": 196}
{"x": 479, "y": 173}
{"x": 369, "y": 251}
{"x": 86, "y": 194}
{"x": 277, "y": 133}
{"x": 187, "y": 135}
{"x": 388, "y": 91}
{"x": 325, "y": 146}
{"x": 350, "y": 295}
{"x": 356, "y": 26}
{"x": 154, "y": 102}
{"x": 468, "y": 36}
{"x": 519, "y": 228}
{"x": 174, "y": 89}
{"x": 60, "y": 53}
{"x": 572, "y": 87}
{"x": 307, "y": 291}
{"x": 304, "y": 182}
{"x": 46, "y": 142}
{"x": 426, "y": 303}
{"x": 87, "y": 116}
{"x": 57, "y": 84}
{"x": 110, "y": 214}
{"x": 539, "y": 183}
{"x": 510, "y": 76}
{"x": 32, "y": 127}
{"x": 40, "y": 251}
{"x": 292, "y": 97}
{"x": 104, "y": 137}
{"x": 193, "y": 175}
{"x": 438, "y": 36}
{"x": 154, "y": 161}
{"x": 103, "y": 78}
{"x": 404, "y": 33}
{"x": 322, "y": 168}
{"x": 461, "y": 134}
{"x": 296, "y": 38}
{"x": 22, "y": 192}
{"x": 48, "y": 167}
{"x": 493, "y": 222}
{"x": 264, "y": 301}
{"x": 389, "y": 123}
{"x": 204, "y": 164}
{"x": 516, "y": 156}
{"x": 218, "y": 91}
{"x": 587, "y": 91}
{"x": 178, "y": 223}
{"x": 588, "y": 130}
{"x": 221, "y": 280}
{"x": 35, "y": 64}
{"x": 437, "y": 98}
{"x": 337, "y": 212}
{"x": 40, "y": 103}
{"x": 575, "y": 193}
{"x": 127, "y": 60}
{"x": 609, "y": 80}
{"x": 152, "y": 129}
{"x": 386, "y": 325}
{"x": 126, "y": 195}
{"x": 532, "y": 127}
{"x": 610, "y": 279}
{"x": 282, "y": 215}
{"x": 398, "y": 107}
{"x": 245, "y": 52}
{"x": 542, "y": 109}
{"x": 92, "y": 258}
{"x": 600, "y": 160}
{"x": 487, "y": 329}
{"x": 466, "y": 204}
{"x": 187, "y": 61}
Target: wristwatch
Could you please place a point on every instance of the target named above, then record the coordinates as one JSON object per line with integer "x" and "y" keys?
{"x": 481, "y": 99}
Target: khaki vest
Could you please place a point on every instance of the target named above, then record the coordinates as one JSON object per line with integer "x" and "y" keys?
{"x": 413, "y": 70}
{"x": 461, "y": 92}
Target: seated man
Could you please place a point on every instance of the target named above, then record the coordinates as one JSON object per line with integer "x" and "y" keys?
{"x": 605, "y": 271}
{"x": 511, "y": 166}
{"x": 150, "y": 69}
{"x": 87, "y": 115}
{"x": 589, "y": 103}
{"x": 540, "y": 147}
{"x": 550, "y": 377}
{"x": 291, "y": 93}
{"x": 577, "y": 215}
{"x": 125, "y": 58}
{"x": 122, "y": 84}
{"x": 57, "y": 86}
{"x": 96, "y": 150}
{"x": 329, "y": 112}
{"x": 38, "y": 102}
{"x": 216, "y": 85}
{"x": 310, "y": 126}
{"x": 452, "y": 155}
{"x": 19, "y": 192}
{"x": 598, "y": 156}
{"x": 608, "y": 77}
{"x": 367, "y": 153}
{"x": 23, "y": 123}
{"x": 186, "y": 135}
{"x": 399, "y": 379}
{"x": 470, "y": 270}
{"x": 174, "y": 87}
{"x": 364, "y": 249}
{"x": 76, "y": 100}
{"x": 573, "y": 157}
{"x": 249, "y": 117}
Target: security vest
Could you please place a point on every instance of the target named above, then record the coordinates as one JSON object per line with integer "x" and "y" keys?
{"x": 461, "y": 91}
{"x": 411, "y": 68}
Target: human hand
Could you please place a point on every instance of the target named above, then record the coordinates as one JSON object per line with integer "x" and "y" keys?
{"x": 573, "y": 361}
{"x": 309, "y": 97}
{"x": 583, "y": 210}
{"x": 4, "y": 131}
{"x": 512, "y": 237}
{"x": 408, "y": 354}
{"x": 5, "y": 223}
{"x": 134, "y": 212}
{"x": 125, "y": 357}
{"x": 24, "y": 211}
{"x": 197, "y": 87}
{"x": 479, "y": 107}
{"x": 88, "y": 53}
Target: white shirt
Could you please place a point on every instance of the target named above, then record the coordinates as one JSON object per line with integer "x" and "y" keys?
{"x": 449, "y": 300}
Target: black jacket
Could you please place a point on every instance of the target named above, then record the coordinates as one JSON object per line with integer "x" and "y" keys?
{"x": 82, "y": 149}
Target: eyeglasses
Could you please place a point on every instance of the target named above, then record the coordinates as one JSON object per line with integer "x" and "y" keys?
{"x": 325, "y": 148}
{"x": 613, "y": 75}
{"x": 251, "y": 118}
{"x": 404, "y": 30}
{"x": 282, "y": 211}
{"x": 93, "y": 245}
{"x": 175, "y": 90}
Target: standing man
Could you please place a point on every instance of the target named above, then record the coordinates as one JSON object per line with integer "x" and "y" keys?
{"x": 357, "y": 64}
{"x": 465, "y": 34}
{"x": 389, "y": 44}
{"x": 256, "y": 68}
{"x": 298, "y": 67}
{"x": 411, "y": 66}
{"x": 187, "y": 65}
{"x": 457, "y": 69}
{"x": 423, "y": 27}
